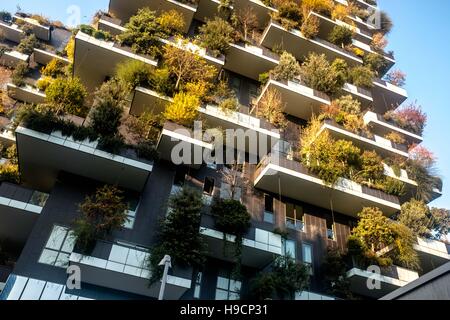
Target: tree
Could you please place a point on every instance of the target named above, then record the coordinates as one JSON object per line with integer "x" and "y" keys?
{"x": 100, "y": 215}
{"x": 108, "y": 106}
{"x": 341, "y": 36}
{"x": 397, "y": 78}
{"x": 310, "y": 27}
{"x": 70, "y": 49}
{"x": 183, "y": 110}
{"x": 375, "y": 62}
{"x": 319, "y": 6}
{"x": 171, "y": 22}
{"x": 187, "y": 66}
{"x": 146, "y": 127}
{"x": 386, "y": 24}
{"x": 246, "y": 21}
{"x": 440, "y": 223}
{"x": 287, "y": 69}
{"x": 133, "y": 73}
{"x": 216, "y": 35}
{"x": 27, "y": 44}
{"x": 415, "y": 215}
{"x": 19, "y": 74}
{"x": 271, "y": 108}
{"x": 142, "y": 32}
{"x": 334, "y": 270}
{"x": 361, "y": 76}
{"x": 179, "y": 234}
{"x": 67, "y": 95}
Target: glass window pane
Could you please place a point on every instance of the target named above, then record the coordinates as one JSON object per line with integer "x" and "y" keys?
{"x": 62, "y": 260}
{"x": 197, "y": 292}
{"x": 136, "y": 258}
{"x": 118, "y": 254}
{"x": 235, "y": 285}
{"x": 48, "y": 257}
{"x": 222, "y": 283}
{"x": 56, "y": 238}
{"x": 221, "y": 294}
{"x": 268, "y": 217}
{"x": 290, "y": 213}
{"x": 307, "y": 253}
{"x": 289, "y": 248}
{"x": 69, "y": 243}
{"x": 234, "y": 296}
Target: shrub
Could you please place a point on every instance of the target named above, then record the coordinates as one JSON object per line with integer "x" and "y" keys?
{"x": 410, "y": 117}
{"x": 97, "y": 34}
{"x": 386, "y": 24}
{"x": 361, "y": 76}
{"x": 171, "y": 22}
{"x": 394, "y": 187}
{"x": 340, "y": 12}
{"x": 334, "y": 270}
{"x": 287, "y": 69}
{"x": 310, "y": 27}
{"x": 179, "y": 234}
{"x": 161, "y": 81}
{"x": 5, "y": 16}
{"x": 289, "y": 14}
{"x": 27, "y": 44}
{"x": 320, "y": 6}
{"x": 216, "y": 35}
{"x": 348, "y": 105}
{"x": 230, "y": 104}
{"x": 289, "y": 276}
{"x": 142, "y": 32}
{"x": 415, "y": 215}
{"x": 43, "y": 83}
{"x": 67, "y": 95}
{"x": 183, "y": 110}
{"x": 70, "y": 49}
{"x": 133, "y": 73}
{"x": 271, "y": 108}
{"x": 231, "y": 217}
{"x": 341, "y": 36}
{"x": 147, "y": 150}
{"x": 112, "y": 143}
{"x": 19, "y": 74}
{"x": 375, "y": 62}
{"x": 9, "y": 173}
{"x": 100, "y": 215}
{"x": 55, "y": 68}
{"x": 318, "y": 74}
{"x": 379, "y": 42}
{"x": 395, "y": 137}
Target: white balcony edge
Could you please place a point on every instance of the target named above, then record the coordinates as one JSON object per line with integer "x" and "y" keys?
{"x": 20, "y": 205}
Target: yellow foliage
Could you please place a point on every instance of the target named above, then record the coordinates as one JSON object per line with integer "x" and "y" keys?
{"x": 43, "y": 83}
{"x": 171, "y": 22}
{"x": 359, "y": 52}
{"x": 199, "y": 88}
{"x": 340, "y": 12}
{"x": 9, "y": 172}
{"x": 184, "y": 109}
{"x": 70, "y": 49}
{"x": 395, "y": 137}
{"x": 319, "y": 6}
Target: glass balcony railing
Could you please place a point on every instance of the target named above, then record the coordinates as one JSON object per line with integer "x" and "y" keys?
{"x": 294, "y": 224}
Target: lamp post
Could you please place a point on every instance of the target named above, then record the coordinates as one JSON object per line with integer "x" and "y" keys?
{"x": 166, "y": 262}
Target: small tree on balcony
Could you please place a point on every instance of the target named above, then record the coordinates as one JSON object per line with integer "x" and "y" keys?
{"x": 289, "y": 14}
{"x": 440, "y": 223}
{"x": 101, "y": 214}
{"x": 310, "y": 27}
{"x": 415, "y": 215}
{"x": 216, "y": 35}
{"x": 187, "y": 66}
{"x": 334, "y": 270}
{"x": 340, "y": 12}
{"x": 320, "y": 6}
{"x": 179, "y": 234}
{"x": 287, "y": 69}
{"x": 183, "y": 110}
{"x": 379, "y": 42}
{"x": 19, "y": 74}
{"x": 133, "y": 73}
{"x": 67, "y": 95}
{"x": 341, "y": 36}
{"x": 375, "y": 62}
{"x": 27, "y": 44}
{"x": 409, "y": 117}
{"x": 55, "y": 68}
{"x": 246, "y": 22}
{"x": 271, "y": 108}
{"x": 171, "y": 22}
{"x": 361, "y": 76}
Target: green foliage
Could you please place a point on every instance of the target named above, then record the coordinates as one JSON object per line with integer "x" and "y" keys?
{"x": 133, "y": 73}
{"x": 334, "y": 271}
{"x": 161, "y": 81}
{"x": 341, "y": 36}
{"x": 171, "y": 22}
{"x": 5, "y": 16}
{"x": 55, "y": 68}
{"x": 385, "y": 23}
{"x": 108, "y": 108}
{"x": 318, "y": 74}
{"x": 361, "y": 76}
{"x": 415, "y": 215}
{"x": 183, "y": 110}
{"x": 43, "y": 83}
{"x": 216, "y": 35}
{"x": 375, "y": 62}
{"x": 287, "y": 69}
{"x": 67, "y": 95}
{"x": 27, "y": 44}
{"x": 100, "y": 215}
{"x": 97, "y": 34}
{"x": 440, "y": 223}
{"x": 394, "y": 186}
{"x": 179, "y": 234}
{"x": 289, "y": 15}
{"x": 142, "y": 32}
{"x": 19, "y": 74}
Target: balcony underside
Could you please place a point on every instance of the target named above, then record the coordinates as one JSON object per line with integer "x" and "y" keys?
{"x": 306, "y": 188}
{"x": 53, "y": 156}
{"x": 123, "y": 10}
{"x": 243, "y": 61}
{"x": 299, "y": 101}
{"x": 387, "y": 97}
{"x": 207, "y": 10}
{"x": 95, "y": 60}
{"x": 16, "y": 223}
{"x": 432, "y": 258}
{"x": 294, "y": 42}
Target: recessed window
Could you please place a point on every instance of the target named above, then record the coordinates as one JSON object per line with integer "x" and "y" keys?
{"x": 307, "y": 256}
{"x": 289, "y": 248}
{"x": 294, "y": 217}
{"x": 330, "y": 231}
{"x": 180, "y": 177}
{"x": 208, "y": 186}
{"x": 227, "y": 289}
{"x": 58, "y": 248}
{"x": 268, "y": 209}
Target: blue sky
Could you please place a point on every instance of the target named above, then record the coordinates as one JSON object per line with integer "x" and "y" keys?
{"x": 419, "y": 40}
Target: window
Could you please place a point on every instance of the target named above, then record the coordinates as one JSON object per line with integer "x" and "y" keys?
{"x": 252, "y": 92}
{"x": 133, "y": 203}
{"x": 289, "y": 248}
{"x": 180, "y": 177}
{"x": 208, "y": 189}
{"x": 268, "y": 209}
{"x": 330, "y": 230}
{"x": 294, "y": 217}
{"x": 307, "y": 256}
{"x": 198, "y": 284}
{"x": 58, "y": 248}
{"x": 227, "y": 289}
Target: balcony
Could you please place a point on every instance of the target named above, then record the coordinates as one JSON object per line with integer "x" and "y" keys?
{"x": 44, "y": 57}
{"x": 26, "y": 93}
{"x": 258, "y": 246}
{"x": 122, "y": 267}
{"x": 61, "y": 153}
{"x": 175, "y": 140}
{"x": 364, "y": 96}
{"x": 111, "y": 25}
{"x": 348, "y": 197}
{"x": 385, "y": 148}
{"x": 294, "y": 42}
{"x": 299, "y": 100}
{"x": 327, "y": 25}
{"x": 41, "y": 32}
{"x": 379, "y": 126}
{"x": 365, "y": 5}
{"x": 11, "y": 31}
{"x": 124, "y": 10}
{"x": 388, "y": 57}
{"x": 261, "y": 11}
{"x": 390, "y": 279}
{"x": 387, "y": 96}
{"x": 95, "y": 59}
{"x": 19, "y": 210}
{"x": 249, "y": 60}
{"x": 12, "y": 58}
{"x": 432, "y": 253}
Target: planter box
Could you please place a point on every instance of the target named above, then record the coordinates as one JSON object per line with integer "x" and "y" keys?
{"x": 12, "y": 32}
{"x": 44, "y": 57}
{"x": 26, "y": 94}
{"x": 12, "y": 58}
{"x": 41, "y": 32}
